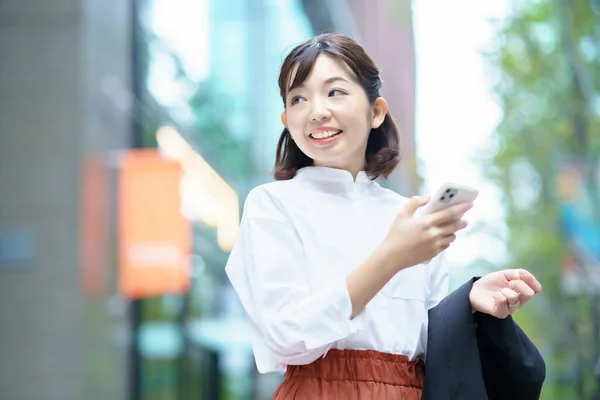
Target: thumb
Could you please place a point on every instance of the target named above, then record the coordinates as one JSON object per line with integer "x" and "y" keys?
{"x": 415, "y": 202}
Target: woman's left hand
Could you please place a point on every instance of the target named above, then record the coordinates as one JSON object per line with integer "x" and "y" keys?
{"x": 501, "y": 293}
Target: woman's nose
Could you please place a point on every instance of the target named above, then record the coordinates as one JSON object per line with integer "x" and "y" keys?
{"x": 319, "y": 110}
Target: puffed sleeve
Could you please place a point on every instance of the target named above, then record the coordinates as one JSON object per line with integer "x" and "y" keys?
{"x": 290, "y": 324}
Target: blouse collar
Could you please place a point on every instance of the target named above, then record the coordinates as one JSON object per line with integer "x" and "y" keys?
{"x": 333, "y": 175}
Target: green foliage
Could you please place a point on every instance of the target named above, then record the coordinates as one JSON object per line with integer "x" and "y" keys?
{"x": 212, "y": 114}
{"x": 548, "y": 86}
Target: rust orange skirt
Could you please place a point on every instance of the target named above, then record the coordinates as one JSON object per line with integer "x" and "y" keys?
{"x": 354, "y": 375}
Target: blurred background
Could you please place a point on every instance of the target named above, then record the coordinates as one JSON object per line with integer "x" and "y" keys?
{"x": 132, "y": 130}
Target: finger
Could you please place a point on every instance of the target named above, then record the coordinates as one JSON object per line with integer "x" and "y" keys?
{"x": 502, "y": 302}
{"x": 530, "y": 280}
{"x": 498, "y": 296}
{"x": 512, "y": 297}
{"x": 453, "y": 227}
{"x": 524, "y": 275}
{"x": 511, "y": 275}
{"x": 445, "y": 241}
{"x": 521, "y": 287}
{"x": 525, "y": 292}
{"x": 413, "y": 204}
{"x": 450, "y": 214}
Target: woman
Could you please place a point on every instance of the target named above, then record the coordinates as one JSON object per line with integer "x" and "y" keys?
{"x": 329, "y": 266}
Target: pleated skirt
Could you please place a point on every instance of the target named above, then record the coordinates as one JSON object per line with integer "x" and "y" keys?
{"x": 354, "y": 375}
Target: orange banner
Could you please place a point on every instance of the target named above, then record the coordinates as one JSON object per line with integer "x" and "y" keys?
{"x": 155, "y": 240}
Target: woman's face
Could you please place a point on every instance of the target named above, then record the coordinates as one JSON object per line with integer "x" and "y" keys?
{"x": 329, "y": 116}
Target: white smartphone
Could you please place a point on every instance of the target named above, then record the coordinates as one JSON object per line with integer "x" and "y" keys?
{"x": 448, "y": 195}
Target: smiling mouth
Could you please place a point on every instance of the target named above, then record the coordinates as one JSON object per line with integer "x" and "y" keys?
{"x": 325, "y": 134}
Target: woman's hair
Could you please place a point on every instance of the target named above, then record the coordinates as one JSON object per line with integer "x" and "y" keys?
{"x": 383, "y": 146}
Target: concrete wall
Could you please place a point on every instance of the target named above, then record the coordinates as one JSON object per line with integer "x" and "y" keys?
{"x": 53, "y": 114}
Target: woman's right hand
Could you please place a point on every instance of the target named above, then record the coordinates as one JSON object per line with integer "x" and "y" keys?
{"x": 413, "y": 240}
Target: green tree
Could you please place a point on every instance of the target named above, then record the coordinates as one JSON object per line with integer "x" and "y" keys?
{"x": 548, "y": 63}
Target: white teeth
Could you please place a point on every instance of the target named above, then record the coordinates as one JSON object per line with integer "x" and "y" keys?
{"x": 324, "y": 134}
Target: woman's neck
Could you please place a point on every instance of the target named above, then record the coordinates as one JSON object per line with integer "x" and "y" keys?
{"x": 354, "y": 170}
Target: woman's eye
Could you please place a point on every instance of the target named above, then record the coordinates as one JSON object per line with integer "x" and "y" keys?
{"x": 336, "y": 92}
{"x": 296, "y": 100}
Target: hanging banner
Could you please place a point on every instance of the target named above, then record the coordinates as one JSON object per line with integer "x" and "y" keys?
{"x": 155, "y": 240}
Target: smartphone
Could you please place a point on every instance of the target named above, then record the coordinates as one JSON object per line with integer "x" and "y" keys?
{"x": 448, "y": 195}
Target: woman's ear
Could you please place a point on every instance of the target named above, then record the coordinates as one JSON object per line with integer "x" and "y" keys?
{"x": 284, "y": 119}
{"x": 379, "y": 111}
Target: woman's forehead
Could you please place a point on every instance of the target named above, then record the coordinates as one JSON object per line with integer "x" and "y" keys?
{"x": 321, "y": 68}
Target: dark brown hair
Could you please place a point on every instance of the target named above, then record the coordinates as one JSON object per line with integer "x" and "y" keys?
{"x": 383, "y": 145}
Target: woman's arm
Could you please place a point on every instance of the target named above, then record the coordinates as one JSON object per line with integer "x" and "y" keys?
{"x": 410, "y": 241}
{"x": 292, "y": 324}
{"x": 268, "y": 271}
{"x": 370, "y": 277}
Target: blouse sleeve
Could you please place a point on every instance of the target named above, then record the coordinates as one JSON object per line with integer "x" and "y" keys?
{"x": 291, "y": 324}
{"x": 439, "y": 281}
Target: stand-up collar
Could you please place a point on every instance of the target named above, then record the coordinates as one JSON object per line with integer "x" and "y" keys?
{"x": 334, "y": 175}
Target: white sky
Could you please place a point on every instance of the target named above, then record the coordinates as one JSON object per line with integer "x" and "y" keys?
{"x": 456, "y": 114}
{"x": 183, "y": 26}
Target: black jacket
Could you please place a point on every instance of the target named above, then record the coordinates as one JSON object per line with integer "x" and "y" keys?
{"x": 477, "y": 356}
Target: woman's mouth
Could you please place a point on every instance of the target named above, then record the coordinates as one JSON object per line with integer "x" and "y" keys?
{"x": 325, "y": 137}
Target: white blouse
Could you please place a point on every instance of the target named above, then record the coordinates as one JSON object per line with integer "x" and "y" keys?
{"x": 299, "y": 239}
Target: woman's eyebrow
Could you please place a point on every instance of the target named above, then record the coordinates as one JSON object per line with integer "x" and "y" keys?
{"x": 327, "y": 81}
{"x": 335, "y": 79}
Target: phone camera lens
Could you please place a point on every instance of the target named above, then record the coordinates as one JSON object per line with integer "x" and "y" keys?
{"x": 443, "y": 198}
{"x": 448, "y": 190}
{"x": 451, "y": 196}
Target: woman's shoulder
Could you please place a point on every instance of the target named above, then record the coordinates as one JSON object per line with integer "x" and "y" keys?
{"x": 268, "y": 198}
{"x": 270, "y": 191}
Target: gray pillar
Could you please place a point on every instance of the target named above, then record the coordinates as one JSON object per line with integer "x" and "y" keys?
{"x": 53, "y": 60}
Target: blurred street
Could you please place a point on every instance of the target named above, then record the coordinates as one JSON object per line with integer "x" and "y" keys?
{"x": 131, "y": 132}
